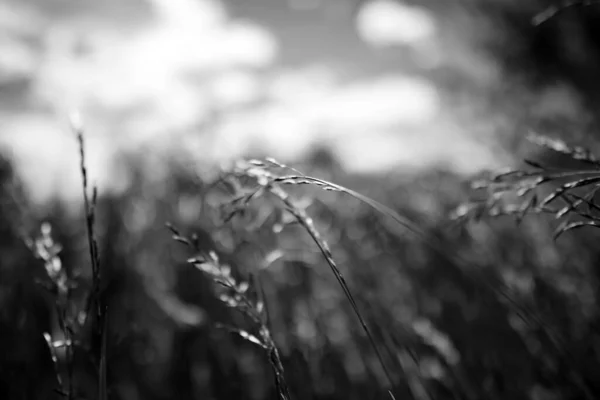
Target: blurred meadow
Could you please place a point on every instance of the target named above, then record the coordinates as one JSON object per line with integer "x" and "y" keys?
{"x": 193, "y": 273}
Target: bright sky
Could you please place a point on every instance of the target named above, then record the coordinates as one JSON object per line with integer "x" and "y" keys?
{"x": 193, "y": 77}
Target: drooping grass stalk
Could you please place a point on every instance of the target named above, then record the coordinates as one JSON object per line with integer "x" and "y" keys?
{"x": 268, "y": 183}
{"x": 308, "y": 224}
{"x": 430, "y": 240}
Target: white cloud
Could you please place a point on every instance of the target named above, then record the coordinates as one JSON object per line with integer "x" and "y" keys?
{"x": 17, "y": 59}
{"x": 301, "y": 85}
{"x": 273, "y": 129}
{"x": 190, "y": 15}
{"x": 308, "y": 107}
{"x": 387, "y": 22}
{"x": 248, "y": 44}
{"x": 285, "y": 133}
{"x": 236, "y": 87}
{"x": 431, "y": 145}
{"x": 188, "y": 43}
{"x": 372, "y": 152}
{"x": 384, "y": 101}
{"x": 305, "y": 5}
{"x": 391, "y": 100}
{"x": 372, "y": 125}
{"x": 48, "y": 157}
{"x": 17, "y": 17}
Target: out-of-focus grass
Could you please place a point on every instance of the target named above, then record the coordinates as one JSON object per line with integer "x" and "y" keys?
{"x": 441, "y": 327}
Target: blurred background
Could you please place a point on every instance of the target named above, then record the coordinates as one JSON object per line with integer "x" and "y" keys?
{"x": 399, "y": 100}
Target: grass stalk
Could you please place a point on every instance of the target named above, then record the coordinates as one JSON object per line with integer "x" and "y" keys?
{"x": 95, "y": 303}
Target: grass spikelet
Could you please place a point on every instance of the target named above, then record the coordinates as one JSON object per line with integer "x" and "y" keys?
{"x": 46, "y": 249}
{"x": 559, "y": 146}
{"x": 236, "y": 294}
{"x": 571, "y": 195}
